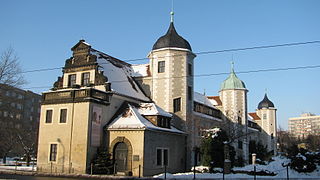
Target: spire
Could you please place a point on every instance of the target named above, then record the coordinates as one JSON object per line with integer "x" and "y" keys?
{"x": 232, "y": 82}
{"x": 232, "y": 66}
{"x": 171, "y": 13}
{"x": 265, "y": 103}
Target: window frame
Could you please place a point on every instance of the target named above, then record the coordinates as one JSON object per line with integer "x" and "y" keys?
{"x": 66, "y": 115}
{"x": 71, "y": 81}
{"x": 190, "y": 69}
{"x": 53, "y": 154}
{"x": 177, "y": 104}
{"x": 46, "y": 116}
{"x": 164, "y": 157}
{"x": 85, "y": 81}
{"x": 161, "y": 66}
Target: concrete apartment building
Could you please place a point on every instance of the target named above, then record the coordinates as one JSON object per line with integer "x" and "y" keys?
{"x": 304, "y": 125}
{"x": 20, "y": 110}
{"x": 146, "y": 114}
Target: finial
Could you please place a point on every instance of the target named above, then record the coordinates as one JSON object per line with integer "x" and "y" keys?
{"x": 265, "y": 90}
{"x": 172, "y": 12}
{"x": 232, "y": 66}
{"x": 204, "y": 92}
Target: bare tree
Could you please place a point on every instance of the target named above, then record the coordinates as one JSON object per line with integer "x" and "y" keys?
{"x": 10, "y": 70}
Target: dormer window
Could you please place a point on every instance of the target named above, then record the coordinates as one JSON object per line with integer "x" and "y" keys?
{"x": 85, "y": 79}
{"x": 72, "y": 80}
{"x": 163, "y": 122}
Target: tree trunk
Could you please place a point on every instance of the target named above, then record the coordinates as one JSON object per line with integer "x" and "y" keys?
{"x": 28, "y": 159}
{"x": 4, "y": 158}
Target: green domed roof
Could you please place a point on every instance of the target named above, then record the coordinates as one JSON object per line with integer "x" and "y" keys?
{"x": 232, "y": 82}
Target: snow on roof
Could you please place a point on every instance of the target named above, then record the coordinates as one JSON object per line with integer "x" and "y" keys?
{"x": 132, "y": 119}
{"x": 140, "y": 70}
{"x": 118, "y": 74}
{"x": 254, "y": 116}
{"x": 200, "y": 98}
{"x": 152, "y": 109}
{"x": 215, "y": 100}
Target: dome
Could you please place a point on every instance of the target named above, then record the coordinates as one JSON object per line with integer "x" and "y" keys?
{"x": 265, "y": 103}
{"x": 171, "y": 39}
{"x": 232, "y": 82}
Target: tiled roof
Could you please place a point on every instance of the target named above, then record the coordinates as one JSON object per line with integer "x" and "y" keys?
{"x": 216, "y": 99}
{"x": 254, "y": 116}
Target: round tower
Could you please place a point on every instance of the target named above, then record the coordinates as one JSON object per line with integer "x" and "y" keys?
{"x": 233, "y": 94}
{"x": 267, "y": 112}
{"x": 171, "y": 68}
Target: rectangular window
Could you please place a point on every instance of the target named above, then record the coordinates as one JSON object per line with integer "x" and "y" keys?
{"x": 63, "y": 115}
{"x": 53, "y": 152}
{"x": 85, "y": 79}
{"x": 159, "y": 157}
{"x": 162, "y": 157}
{"x": 72, "y": 80}
{"x": 177, "y": 105}
{"x": 165, "y": 157}
{"x": 189, "y": 93}
{"x": 161, "y": 66}
{"x": 49, "y": 116}
{"x": 239, "y": 144}
{"x": 190, "y": 69}
{"x": 264, "y": 116}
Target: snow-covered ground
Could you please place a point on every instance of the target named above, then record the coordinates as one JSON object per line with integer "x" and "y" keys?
{"x": 11, "y": 165}
{"x": 274, "y": 166}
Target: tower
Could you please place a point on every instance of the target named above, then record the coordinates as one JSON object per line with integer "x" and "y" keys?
{"x": 233, "y": 94}
{"x": 171, "y": 68}
{"x": 267, "y": 112}
{"x": 171, "y": 85}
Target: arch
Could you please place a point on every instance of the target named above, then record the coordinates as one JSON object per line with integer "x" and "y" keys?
{"x": 125, "y": 145}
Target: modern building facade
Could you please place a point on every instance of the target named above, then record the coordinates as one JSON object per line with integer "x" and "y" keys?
{"x": 306, "y": 124}
{"x": 145, "y": 115}
{"x": 19, "y": 111}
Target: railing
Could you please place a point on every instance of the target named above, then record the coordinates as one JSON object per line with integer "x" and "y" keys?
{"x": 75, "y": 95}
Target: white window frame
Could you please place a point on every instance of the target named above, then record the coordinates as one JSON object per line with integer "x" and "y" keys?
{"x": 60, "y": 115}
{"x": 162, "y": 156}
{"x": 49, "y": 152}
{"x": 45, "y": 116}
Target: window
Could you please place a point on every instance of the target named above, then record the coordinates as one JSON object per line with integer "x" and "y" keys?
{"x": 239, "y": 144}
{"x": 20, "y": 96}
{"x": 264, "y": 116}
{"x": 190, "y": 69}
{"x": 49, "y": 116}
{"x": 72, "y": 80}
{"x": 5, "y": 113}
{"x": 162, "y": 157}
{"x": 53, "y": 152}
{"x": 189, "y": 92}
{"x": 63, "y": 115}
{"x": 85, "y": 79}
{"x": 161, "y": 66}
{"x": 7, "y": 93}
{"x": 177, "y": 105}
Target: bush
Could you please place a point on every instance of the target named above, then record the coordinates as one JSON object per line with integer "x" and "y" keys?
{"x": 102, "y": 164}
{"x": 302, "y": 160}
{"x": 301, "y": 163}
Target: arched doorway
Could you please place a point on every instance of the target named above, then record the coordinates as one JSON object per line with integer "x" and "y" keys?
{"x": 121, "y": 156}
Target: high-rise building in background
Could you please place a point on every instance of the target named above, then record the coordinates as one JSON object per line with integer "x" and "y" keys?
{"x": 19, "y": 114}
{"x": 306, "y": 124}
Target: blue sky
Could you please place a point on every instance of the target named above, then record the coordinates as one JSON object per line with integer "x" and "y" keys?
{"x": 42, "y": 33}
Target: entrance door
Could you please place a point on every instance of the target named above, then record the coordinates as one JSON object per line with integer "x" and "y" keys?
{"x": 121, "y": 157}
